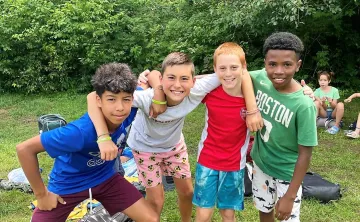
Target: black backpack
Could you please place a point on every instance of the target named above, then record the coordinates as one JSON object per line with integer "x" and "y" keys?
{"x": 314, "y": 186}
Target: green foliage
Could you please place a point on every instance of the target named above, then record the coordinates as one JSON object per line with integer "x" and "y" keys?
{"x": 57, "y": 45}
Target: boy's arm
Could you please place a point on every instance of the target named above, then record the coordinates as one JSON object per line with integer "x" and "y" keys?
{"x": 27, "y": 154}
{"x": 254, "y": 120}
{"x": 108, "y": 149}
{"x": 285, "y": 204}
{"x": 154, "y": 80}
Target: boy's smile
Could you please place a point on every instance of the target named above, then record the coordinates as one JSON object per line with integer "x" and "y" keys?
{"x": 177, "y": 81}
{"x": 229, "y": 70}
{"x": 281, "y": 66}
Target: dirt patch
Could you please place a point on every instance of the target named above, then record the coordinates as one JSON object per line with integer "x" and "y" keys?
{"x": 3, "y": 112}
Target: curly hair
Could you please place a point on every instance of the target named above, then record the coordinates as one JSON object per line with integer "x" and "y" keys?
{"x": 114, "y": 77}
{"x": 284, "y": 41}
{"x": 177, "y": 58}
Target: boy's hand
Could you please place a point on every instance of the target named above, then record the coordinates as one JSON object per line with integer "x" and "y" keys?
{"x": 283, "y": 208}
{"x": 108, "y": 150}
{"x": 142, "y": 77}
{"x": 347, "y": 100}
{"x": 49, "y": 201}
{"x": 307, "y": 90}
{"x": 254, "y": 122}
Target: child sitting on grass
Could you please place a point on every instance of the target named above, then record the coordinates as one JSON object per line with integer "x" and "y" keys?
{"x": 355, "y": 134}
{"x": 326, "y": 102}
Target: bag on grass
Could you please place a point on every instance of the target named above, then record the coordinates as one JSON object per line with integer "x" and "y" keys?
{"x": 50, "y": 121}
{"x": 314, "y": 186}
{"x": 352, "y": 126}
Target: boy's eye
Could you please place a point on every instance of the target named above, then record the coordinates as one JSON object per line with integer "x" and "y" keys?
{"x": 170, "y": 77}
{"x": 234, "y": 67}
{"x": 111, "y": 99}
{"x": 127, "y": 99}
{"x": 287, "y": 64}
{"x": 184, "y": 78}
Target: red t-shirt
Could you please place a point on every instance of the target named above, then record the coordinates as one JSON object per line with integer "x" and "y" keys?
{"x": 225, "y": 138}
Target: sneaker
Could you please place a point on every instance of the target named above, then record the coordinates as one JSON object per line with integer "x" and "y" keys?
{"x": 353, "y": 135}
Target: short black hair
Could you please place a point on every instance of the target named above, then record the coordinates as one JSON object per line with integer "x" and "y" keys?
{"x": 284, "y": 41}
{"x": 114, "y": 77}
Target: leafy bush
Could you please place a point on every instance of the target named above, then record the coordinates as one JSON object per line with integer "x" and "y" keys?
{"x": 50, "y": 46}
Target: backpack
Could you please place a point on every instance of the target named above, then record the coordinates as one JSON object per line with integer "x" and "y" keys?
{"x": 314, "y": 186}
{"x": 50, "y": 121}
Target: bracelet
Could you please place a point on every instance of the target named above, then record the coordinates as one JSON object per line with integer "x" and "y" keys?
{"x": 108, "y": 138}
{"x": 103, "y": 135}
{"x": 252, "y": 112}
{"x": 159, "y": 102}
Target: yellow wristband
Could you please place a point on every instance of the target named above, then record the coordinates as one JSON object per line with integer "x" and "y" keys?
{"x": 108, "y": 138}
{"x": 159, "y": 102}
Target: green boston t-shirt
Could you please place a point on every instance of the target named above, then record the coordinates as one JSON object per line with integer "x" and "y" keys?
{"x": 289, "y": 121}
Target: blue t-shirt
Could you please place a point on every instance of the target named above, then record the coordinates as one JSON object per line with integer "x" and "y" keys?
{"x": 78, "y": 165}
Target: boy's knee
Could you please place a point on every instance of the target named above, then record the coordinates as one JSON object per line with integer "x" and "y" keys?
{"x": 186, "y": 193}
{"x": 227, "y": 215}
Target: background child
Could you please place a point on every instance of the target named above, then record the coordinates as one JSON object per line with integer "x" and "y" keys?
{"x": 355, "y": 134}
{"x": 222, "y": 150}
{"x": 78, "y": 171}
{"x": 282, "y": 149}
{"x": 326, "y": 102}
{"x": 158, "y": 144}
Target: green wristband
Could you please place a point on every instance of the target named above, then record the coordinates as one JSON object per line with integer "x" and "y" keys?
{"x": 159, "y": 102}
{"x": 108, "y": 138}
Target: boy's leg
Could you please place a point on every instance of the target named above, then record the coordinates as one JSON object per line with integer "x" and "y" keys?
{"x": 185, "y": 191}
{"x": 230, "y": 194}
{"x": 205, "y": 192}
{"x": 62, "y": 211}
{"x": 149, "y": 171}
{"x": 264, "y": 194}
{"x": 282, "y": 186}
{"x": 118, "y": 195}
{"x": 177, "y": 165}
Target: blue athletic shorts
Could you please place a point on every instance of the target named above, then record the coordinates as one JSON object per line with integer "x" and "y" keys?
{"x": 225, "y": 189}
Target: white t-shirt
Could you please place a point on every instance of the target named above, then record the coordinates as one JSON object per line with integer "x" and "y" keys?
{"x": 163, "y": 133}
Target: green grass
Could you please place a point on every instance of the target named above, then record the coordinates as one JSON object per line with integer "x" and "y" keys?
{"x": 336, "y": 158}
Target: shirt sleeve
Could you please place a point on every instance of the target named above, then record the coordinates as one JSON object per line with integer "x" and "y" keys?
{"x": 142, "y": 98}
{"x": 256, "y": 74}
{"x": 336, "y": 93}
{"x": 306, "y": 125}
{"x": 63, "y": 140}
{"x": 205, "y": 85}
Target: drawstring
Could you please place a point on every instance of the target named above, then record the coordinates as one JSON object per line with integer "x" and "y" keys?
{"x": 90, "y": 197}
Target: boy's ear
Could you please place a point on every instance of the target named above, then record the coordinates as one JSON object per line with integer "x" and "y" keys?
{"x": 98, "y": 101}
{"x": 298, "y": 65}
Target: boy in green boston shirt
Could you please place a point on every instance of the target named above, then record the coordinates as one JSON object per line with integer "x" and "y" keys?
{"x": 283, "y": 148}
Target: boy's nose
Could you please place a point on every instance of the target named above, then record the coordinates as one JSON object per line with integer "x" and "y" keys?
{"x": 119, "y": 106}
{"x": 177, "y": 83}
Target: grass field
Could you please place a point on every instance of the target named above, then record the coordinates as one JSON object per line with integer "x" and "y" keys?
{"x": 336, "y": 158}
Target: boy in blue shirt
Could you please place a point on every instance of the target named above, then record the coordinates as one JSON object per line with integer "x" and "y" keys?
{"x": 78, "y": 170}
